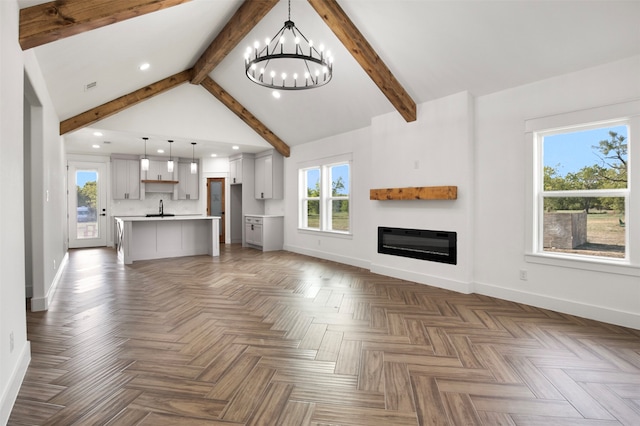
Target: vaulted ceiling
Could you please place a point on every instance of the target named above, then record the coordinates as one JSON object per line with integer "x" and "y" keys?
{"x": 389, "y": 55}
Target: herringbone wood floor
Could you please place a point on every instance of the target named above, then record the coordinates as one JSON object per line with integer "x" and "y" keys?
{"x": 283, "y": 339}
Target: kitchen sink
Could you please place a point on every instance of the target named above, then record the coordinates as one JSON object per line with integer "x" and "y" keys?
{"x": 159, "y": 214}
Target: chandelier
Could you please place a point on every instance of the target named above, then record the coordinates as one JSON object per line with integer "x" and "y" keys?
{"x": 288, "y": 61}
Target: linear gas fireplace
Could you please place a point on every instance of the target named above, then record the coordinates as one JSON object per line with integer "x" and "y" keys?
{"x": 437, "y": 246}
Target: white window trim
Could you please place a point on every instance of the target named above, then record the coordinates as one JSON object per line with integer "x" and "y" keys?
{"x": 325, "y": 200}
{"x": 597, "y": 117}
{"x": 303, "y": 198}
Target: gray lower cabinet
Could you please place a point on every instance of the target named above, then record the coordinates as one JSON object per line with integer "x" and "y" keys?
{"x": 264, "y": 232}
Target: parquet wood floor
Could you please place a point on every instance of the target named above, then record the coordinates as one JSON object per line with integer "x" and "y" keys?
{"x": 255, "y": 338}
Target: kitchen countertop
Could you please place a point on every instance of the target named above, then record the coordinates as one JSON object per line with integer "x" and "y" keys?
{"x": 264, "y": 215}
{"x": 164, "y": 218}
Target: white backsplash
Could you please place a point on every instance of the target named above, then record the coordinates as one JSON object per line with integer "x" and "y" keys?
{"x": 151, "y": 203}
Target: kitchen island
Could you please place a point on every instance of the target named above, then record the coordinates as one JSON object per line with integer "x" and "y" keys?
{"x": 144, "y": 238}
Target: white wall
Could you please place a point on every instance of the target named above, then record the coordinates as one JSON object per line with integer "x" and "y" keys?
{"x": 48, "y": 192}
{"x": 13, "y": 363}
{"x": 479, "y": 146}
{"x": 499, "y": 213}
{"x": 354, "y": 250}
{"x": 436, "y": 149}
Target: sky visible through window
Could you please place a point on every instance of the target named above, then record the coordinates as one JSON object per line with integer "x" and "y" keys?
{"x": 342, "y": 171}
{"x": 570, "y": 152}
{"x": 83, "y": 177}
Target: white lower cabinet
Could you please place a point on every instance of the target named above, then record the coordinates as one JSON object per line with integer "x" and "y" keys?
{"x": 264, "y": 232}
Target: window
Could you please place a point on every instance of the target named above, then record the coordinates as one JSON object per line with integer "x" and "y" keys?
{"x": 585, "y": 190}
{"x": 324, "y": 198}
{"x": 583, "y": 203}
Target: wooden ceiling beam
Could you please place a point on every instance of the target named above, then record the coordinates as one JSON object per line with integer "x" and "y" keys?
{"x": 229, "y": 101}
{"x": 243, "y": 21}
{"x": 58, "y": 19}
{"x": 361, "y": 50}
{"x": 110, "y": 108}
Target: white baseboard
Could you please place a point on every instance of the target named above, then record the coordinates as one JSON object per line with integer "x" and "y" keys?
{"x": 598, "y": 313}
{"x": 16, "y": 378}
{"x": 42, "y": 303}
{"x": 359, "y": 263}
{"x": 445, "y": 283}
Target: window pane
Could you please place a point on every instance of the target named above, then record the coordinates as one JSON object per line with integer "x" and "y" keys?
{"x": 312, "y": 182}
{"x": 593, "y": 226}
{"x": 340, "y": 215}
{"x": 86, "y": 193}
{"x": 340, "y": 180}
{"x": 313, "y": 214}
{"x": 587, "y": 159}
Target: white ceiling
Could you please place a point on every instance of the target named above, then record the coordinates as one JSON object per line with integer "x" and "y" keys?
{"x": 434, "y": 48}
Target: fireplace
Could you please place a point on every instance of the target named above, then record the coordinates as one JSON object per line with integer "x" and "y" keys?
{"x": 436, "y": 246}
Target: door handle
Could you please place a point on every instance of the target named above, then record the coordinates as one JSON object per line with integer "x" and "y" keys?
{"x": 103, "y": 214}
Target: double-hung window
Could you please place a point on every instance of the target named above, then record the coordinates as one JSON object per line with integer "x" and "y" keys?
{"x": 584, "y": 204}
{"x": 324, "y": 198}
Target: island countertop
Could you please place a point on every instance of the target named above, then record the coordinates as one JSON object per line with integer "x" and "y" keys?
{"x": 165, "y": 218}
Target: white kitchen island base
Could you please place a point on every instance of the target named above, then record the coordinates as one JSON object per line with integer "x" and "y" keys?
{"x": 144, "y": 238}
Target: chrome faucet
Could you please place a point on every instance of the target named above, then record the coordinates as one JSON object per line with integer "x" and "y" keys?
{"x": 161, "y": 208}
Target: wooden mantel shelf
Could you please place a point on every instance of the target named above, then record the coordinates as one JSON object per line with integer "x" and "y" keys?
{"x": 159, "y": 181}
{"x": 415, "y": 193}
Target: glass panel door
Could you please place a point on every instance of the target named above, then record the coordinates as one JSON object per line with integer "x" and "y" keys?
{"x": 87, "y": 205}
{"x": 216, "y": 202}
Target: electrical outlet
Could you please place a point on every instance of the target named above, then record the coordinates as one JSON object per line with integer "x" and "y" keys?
{"x": 54, "y": 264}
{"x": 11, "y": 342}
{"x": 318, "y": 242}
{"x": 523, "y": 275}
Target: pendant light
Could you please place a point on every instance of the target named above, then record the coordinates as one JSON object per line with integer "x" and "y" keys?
{"x": 144, "y": 162}
{"x": 170, "y": 162}
{"x": 194, "y": 165}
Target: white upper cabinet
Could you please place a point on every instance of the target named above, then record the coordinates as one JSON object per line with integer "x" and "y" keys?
{"x": 188, "y": 183}
{"x": 126, "y": 179}
{"x": 269, "y": 173}
{"x": 235, "y": 170}
{"x": 158, "y": 170}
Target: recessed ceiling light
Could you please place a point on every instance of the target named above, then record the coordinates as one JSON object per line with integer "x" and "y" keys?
{"x": 235, "y": 147}
{"x": 96, "y": 146}
{"x": 214, "y": 155}
{"x": 144, "y": 66}
{"x": 97, "y": 133}
{"x": 161, "y": 151}
{"x": 276, "y": 94}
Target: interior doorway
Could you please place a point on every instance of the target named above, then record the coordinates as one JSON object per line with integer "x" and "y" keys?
{"x": 216, "y": 202}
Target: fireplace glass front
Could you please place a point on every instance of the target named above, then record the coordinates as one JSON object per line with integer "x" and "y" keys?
{"x": 436, "y": 246}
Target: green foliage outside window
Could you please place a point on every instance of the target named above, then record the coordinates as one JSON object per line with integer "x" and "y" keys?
{"x": 611, "y": 173}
